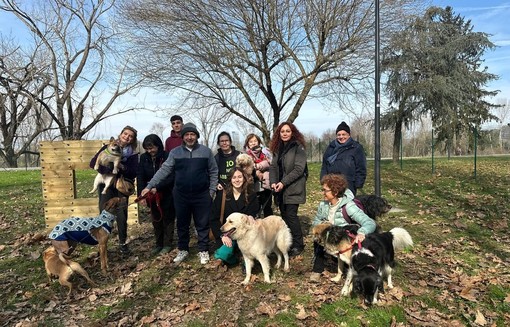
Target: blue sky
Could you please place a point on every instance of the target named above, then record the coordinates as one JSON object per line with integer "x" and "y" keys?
{"x": 488, "y": 16}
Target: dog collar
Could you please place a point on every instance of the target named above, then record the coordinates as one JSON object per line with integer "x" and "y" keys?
{"x": 371, "y": 267}
{"x": 343, "y": 251}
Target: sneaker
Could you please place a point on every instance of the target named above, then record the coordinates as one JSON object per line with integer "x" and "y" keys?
{"x": 165, "y": 250}
{"x": 204, "y": 257}
{"x": 156, "y": 250}
{"x": 183, "y": 254}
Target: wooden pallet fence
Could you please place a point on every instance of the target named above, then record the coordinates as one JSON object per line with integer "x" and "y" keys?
{"x": 59, "y": 161}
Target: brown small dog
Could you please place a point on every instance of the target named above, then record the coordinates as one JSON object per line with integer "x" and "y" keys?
{"x": 58, "y": 265}
{"x": 112, "y": 154}
{"x": 93, "y": 231}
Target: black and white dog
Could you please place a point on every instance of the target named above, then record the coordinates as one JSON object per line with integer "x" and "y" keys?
{"x": 374, "y": 260}
{"x": 374, "y": 206}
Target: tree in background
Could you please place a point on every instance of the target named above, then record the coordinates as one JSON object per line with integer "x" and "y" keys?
{"x": 434, "y": 67}
{"x": 259, "y": 60}
{"x": 24, "y": 88}
{"x": 86, "y": 75}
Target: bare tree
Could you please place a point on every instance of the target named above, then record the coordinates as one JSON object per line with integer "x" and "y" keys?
{"x": 210, "y": 121}
{"x": 23, "y": 79}
{"x": 158, "y": 129}
{"x": 86, "y": 75}
{"x": 258, "y": 60}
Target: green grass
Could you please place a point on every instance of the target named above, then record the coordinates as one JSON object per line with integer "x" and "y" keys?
{"x": 458, "y": 268}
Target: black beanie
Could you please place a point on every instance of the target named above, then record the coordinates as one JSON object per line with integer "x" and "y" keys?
{"x": 343, "y": 127}
{"x": 189, "y": 127}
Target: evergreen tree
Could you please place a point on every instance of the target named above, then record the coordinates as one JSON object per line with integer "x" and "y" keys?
{"x": 434, "y": 67}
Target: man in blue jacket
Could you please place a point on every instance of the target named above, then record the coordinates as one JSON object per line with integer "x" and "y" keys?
{"x": 345, "y": 156}
{"x": 196, "y": 178}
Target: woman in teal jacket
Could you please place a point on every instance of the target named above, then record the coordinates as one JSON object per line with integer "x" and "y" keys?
{"x": 337, "y": 196}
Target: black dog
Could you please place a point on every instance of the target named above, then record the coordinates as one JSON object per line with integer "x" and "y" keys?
{"x": 373, "y": 261}
{"x": 374, "y": 206}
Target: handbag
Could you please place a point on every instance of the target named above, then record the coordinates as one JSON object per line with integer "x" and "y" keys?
{"x": 125, "y": 186}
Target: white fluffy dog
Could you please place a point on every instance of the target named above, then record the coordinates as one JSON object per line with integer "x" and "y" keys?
{"x": 257, "y": 238}
{"x": 245, "y": 162}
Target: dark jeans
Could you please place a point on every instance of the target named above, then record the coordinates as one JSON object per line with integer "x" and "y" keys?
{"x": 265, "y": 197}
{"x": 290, "y": 216}
{"x": 320, "y": 257}
{"x": 121, "y": 215}
{"x": 198, "y": 206}
{"x": 163, "y": 226}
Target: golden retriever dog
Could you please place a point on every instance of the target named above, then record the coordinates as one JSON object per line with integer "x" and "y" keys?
{"x": 259, "y": 238}
{"x": 112, "y": 154}
{"x": 58, "y": 265}
{"x": 67, "y": 234}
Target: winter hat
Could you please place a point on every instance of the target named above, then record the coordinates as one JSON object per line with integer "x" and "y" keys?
{"x": 189, "y": 127}
{"x": 343, "y": 127}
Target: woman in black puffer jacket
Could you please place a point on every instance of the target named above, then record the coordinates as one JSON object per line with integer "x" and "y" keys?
{"x": 161, "y": 203}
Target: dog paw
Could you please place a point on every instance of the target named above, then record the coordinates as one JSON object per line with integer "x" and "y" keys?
{"x": 336, "y": 279}
{"x": 245, "y": 282}
{"x": 390, "y": 286}
{"x": 345, "y": 292}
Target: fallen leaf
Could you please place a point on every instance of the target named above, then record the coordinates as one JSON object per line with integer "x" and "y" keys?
{"x": 266, "y": 309}
{"x": 480, "y": 319}
{"x": 468, "y": 294}
{"x": 192, "y": 306}
{"x": 284, "y": 298}
{"x": 301, "y": 315}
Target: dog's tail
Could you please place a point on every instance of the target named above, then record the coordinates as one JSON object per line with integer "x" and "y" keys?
{"x": 76, "y": 267}
{"x": 401, "y": 238}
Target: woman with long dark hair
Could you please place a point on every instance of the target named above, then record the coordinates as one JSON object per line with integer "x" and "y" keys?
{"x": 287, "y": 175}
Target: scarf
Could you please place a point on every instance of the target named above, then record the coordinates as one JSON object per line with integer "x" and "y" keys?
{"x": 127, "y": 152}
{"x": 339, "y": 148}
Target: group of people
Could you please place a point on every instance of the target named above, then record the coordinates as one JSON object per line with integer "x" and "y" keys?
{"x": 185, "y": 180}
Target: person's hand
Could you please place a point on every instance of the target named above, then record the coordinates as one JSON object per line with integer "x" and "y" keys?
{"x": 226, "y": 241}
{"x": 277, "y": 187}
{"x": 359, "y": 238}
{"x": 144, "y": 192}
{"x": 219, "y": 187}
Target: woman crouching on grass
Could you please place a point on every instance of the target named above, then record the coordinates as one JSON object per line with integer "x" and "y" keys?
{"x": 237, "y": 196}
{"x": 336, "y": 196}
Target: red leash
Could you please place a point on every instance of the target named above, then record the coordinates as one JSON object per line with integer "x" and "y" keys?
{"x": 152, "y": 198}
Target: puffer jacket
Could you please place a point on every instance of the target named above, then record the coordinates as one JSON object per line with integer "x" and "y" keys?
{"x": 291, "y": 166}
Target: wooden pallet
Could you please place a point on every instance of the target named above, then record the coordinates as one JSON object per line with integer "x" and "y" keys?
{"x": 59, "y": 161}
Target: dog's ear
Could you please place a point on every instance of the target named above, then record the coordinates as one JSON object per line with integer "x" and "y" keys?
{"x": 112, "y": 204}
{"x": 358, "y": 287}
{"x": 380, "y": 284}
{"x": 112, "y": 139}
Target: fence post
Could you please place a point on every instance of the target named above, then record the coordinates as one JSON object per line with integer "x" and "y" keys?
{"x": 433, "y": 168}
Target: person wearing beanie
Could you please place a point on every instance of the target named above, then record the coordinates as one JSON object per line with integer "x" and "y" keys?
{"x": 196, "y": 178}
{"x": 175, "y": 139}
{"x": 345, "y": 156}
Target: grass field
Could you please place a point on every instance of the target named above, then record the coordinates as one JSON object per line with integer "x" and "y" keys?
{"x": 458, "y": 273}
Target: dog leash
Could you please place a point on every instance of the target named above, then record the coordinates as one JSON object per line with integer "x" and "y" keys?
{"x": 152, "y": 198}
{"x": 265, "y": 203}
{"x": 352, "y": 236}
